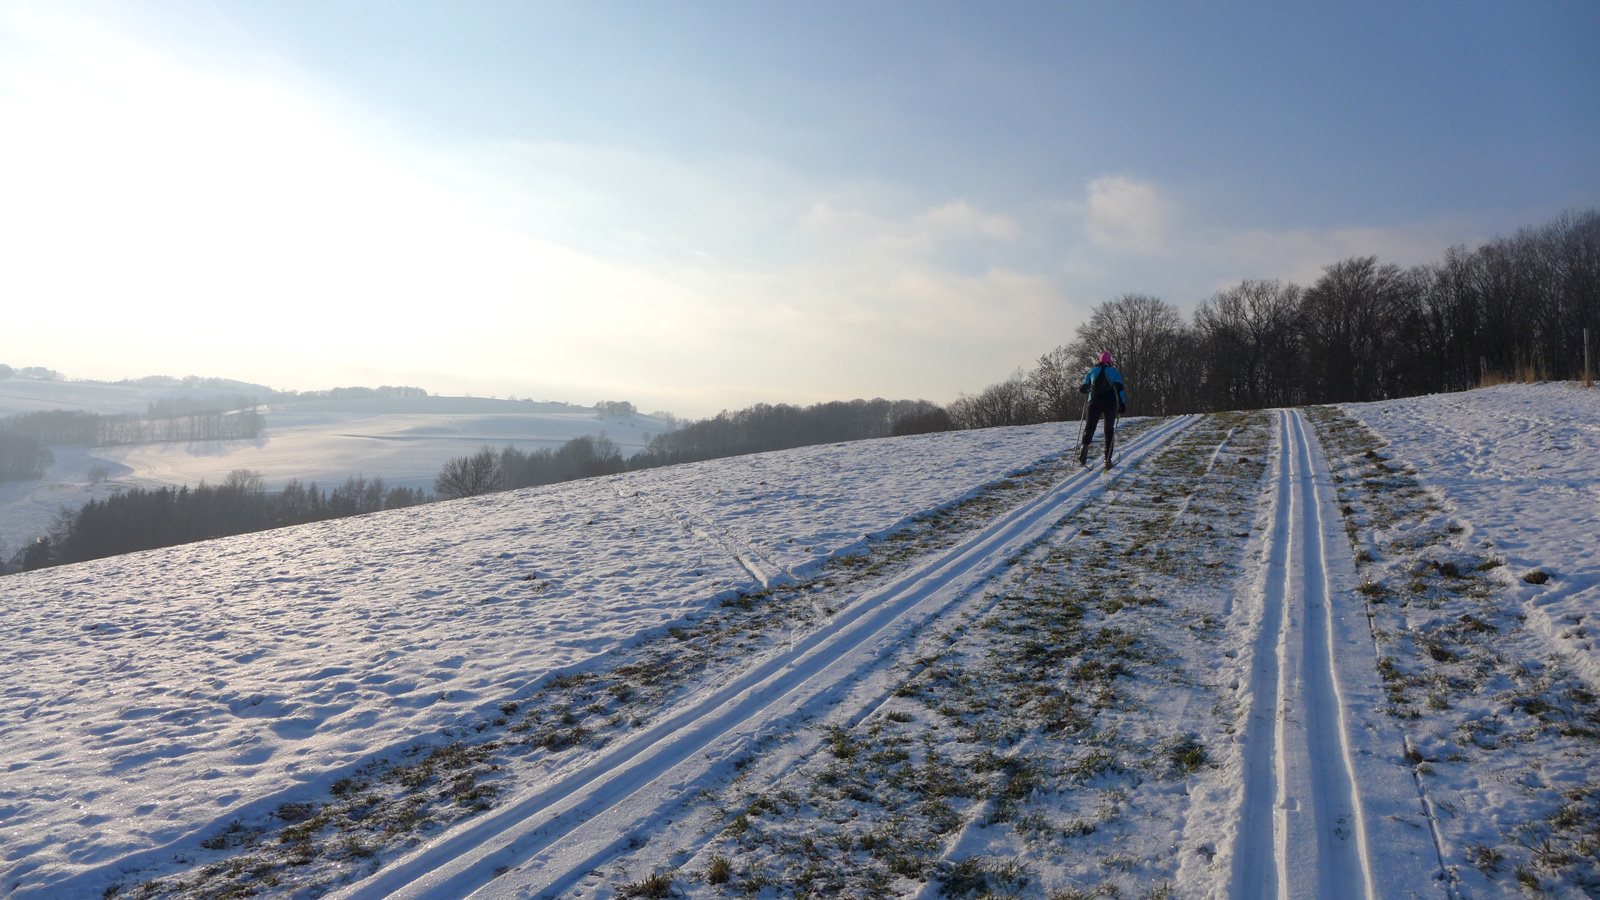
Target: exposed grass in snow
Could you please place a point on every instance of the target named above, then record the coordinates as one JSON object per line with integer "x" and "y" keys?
{"x": 388, "y": 806}
{"x": 1030, "y": 748}
{"x": 1065, "y": 730}
{"x": 1495, "y": 719}
{"x": 305, "y": 847}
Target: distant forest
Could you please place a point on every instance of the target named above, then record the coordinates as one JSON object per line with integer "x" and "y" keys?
{"x": 1515, "y": 308}
{"x": 23, "y": 458}
{"x": 26, "y": 439}
{"x": 765, "y": 427}
{"x": 143, "y": 519}
{"x": 259, "y": 393}
{"x": 756, "y": 429}
{"x": 1518, "y": 308}
{"x": 76, "y": 428}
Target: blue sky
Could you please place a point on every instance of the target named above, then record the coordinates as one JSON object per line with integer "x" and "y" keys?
{"x": 697, "y": 206}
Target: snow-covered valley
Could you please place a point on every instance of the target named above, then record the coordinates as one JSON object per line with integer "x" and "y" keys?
{"x": 403, "y": 441}
{"x": 1326, "y": 653}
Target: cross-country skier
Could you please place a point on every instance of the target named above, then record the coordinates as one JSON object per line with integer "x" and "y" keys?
{"x": 1103, "y": 384}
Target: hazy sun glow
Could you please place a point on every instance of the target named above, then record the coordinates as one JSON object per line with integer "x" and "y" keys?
{"x": 237, "y": 214}
{"x": 211, "y": 189}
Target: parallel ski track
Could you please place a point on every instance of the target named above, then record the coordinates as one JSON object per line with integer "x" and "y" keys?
{"x": 542, "y": 844}
{"x": 1301, "y": 834}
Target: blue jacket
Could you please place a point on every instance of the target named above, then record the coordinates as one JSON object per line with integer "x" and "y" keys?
{"x": 1112, "y": 375}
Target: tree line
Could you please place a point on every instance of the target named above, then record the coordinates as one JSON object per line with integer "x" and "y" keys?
{"x": 765, "y": 427}
{"x": 78, "y": 428}
{"x": 271, "y": 395}
{"x": 147, "y": 519}
{"x": 755, "y": 429}
{"x": 1513, "y": 309}
{"x": 238, "y": 388}
{"x": 25, "y": 438}
{"x": 382, "y": 392}
{"x": 490, "y": 470}
{"x": 37, "y": 373}
{"x": 23, "y": 458}
{"x": 144, "y": 519}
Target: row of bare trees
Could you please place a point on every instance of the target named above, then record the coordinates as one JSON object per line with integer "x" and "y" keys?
{"x": 491, "y": 470}
{"x": 23, "y": 458}
{"x": 143, "y": 519}
{"x": 76, "y": 427}
{"x": 754, "y": 429}
{"x": 782, "y": 426}
{"x": 1514, "y": 308}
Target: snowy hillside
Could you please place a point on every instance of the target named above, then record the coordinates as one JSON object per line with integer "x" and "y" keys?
{"x": 1318, "y": 652}
{"x": 403, "y": 441}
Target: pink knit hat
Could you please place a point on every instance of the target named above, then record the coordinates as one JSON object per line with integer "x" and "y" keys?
{"x": 1105, "y": 358}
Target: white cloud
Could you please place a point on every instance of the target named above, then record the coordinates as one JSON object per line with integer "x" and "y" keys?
{"x": 856, "y": 228}
{"x": 1127, "y": 214}
{"x": 895, "y": 273}
{"x": 961, "y": 220}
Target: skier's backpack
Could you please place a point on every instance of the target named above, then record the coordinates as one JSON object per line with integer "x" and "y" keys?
{"x": 1101, "y": 392}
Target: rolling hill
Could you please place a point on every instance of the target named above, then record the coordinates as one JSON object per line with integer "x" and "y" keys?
{"x": 403, "y": 441}
{"x": 1334, "y": 652}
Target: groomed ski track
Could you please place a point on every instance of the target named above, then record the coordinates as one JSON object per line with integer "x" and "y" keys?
{"x": 1326, "y": 811}
{"x": 542, "y": 844}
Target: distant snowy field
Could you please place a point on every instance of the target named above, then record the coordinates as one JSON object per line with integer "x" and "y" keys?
{"x": 148, "y": 695}
{"x": 404, "y": 442}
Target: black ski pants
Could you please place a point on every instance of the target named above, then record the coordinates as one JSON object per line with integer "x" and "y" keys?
{"x": 1093, "y": 419}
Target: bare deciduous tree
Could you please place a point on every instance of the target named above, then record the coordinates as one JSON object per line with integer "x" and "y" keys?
{"x": 1251, "y": 343}
{"x": 469, "y": 476}
{"x": 243, "y": 482}
{"x": 1145, "y": 336}
{"x": 1006, "y": 403}
{"x": 1347, "y": 325}
{"x": 1053, "y": 386}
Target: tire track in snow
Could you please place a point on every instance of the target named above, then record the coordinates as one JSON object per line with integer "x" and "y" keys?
{"x": 544, "y": 843}
{"x": 1301, "y": 833}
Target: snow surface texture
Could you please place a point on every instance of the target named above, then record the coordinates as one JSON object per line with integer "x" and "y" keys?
{"x": 1477, "y": 520}
{"x": 1200, "y": 674}
{"x": 1519, "y": 466}
{"x": 148, "y": 695}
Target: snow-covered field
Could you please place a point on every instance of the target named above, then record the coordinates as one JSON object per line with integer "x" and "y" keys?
{"x": 1269, "y": 654}
{"x": 1519, "y": 468}
{"x": 404, "y": 442}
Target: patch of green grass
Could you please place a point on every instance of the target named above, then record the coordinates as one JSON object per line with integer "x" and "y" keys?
{"x": 1185, "y": 754}
{"x": 655, "y": 886}
{"x": 232, "y": 835}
